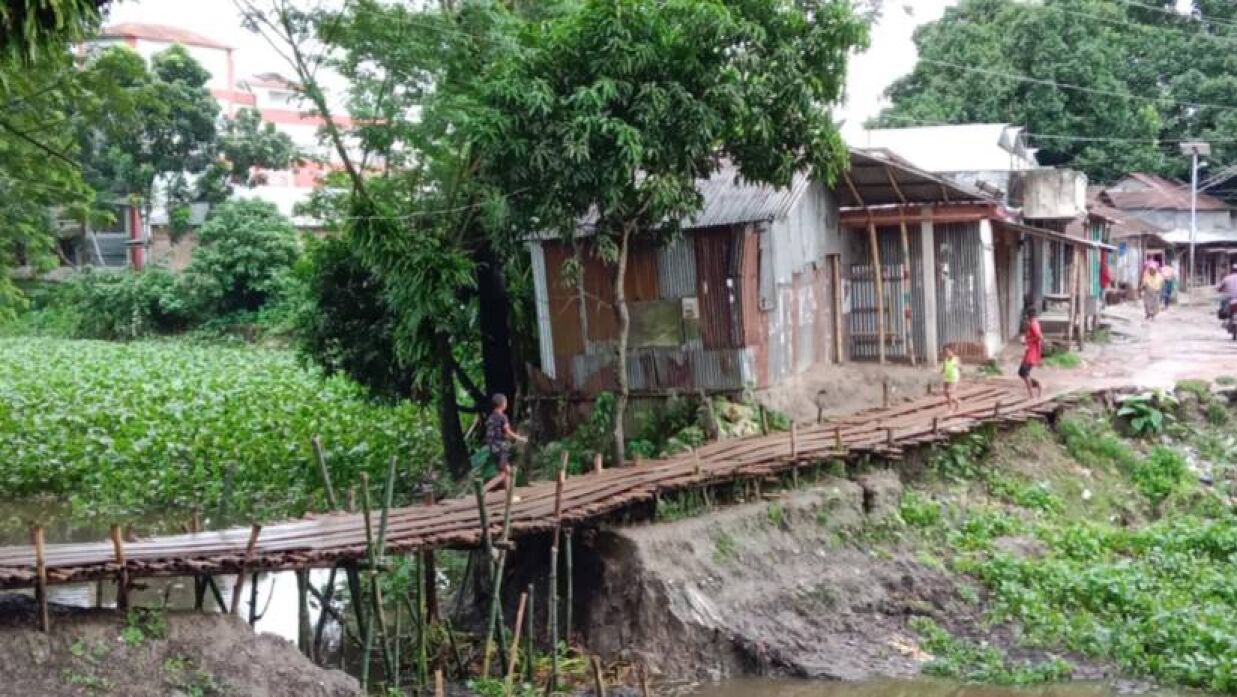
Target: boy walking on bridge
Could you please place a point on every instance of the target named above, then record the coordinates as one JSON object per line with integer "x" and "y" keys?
{"x": 498, "y": 437}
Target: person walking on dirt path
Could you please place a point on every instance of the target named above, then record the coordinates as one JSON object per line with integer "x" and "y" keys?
{"x": 951, "y": 374}
{"x": 1170, "y": 284}
{"x": 1033, "y": 338}
{"x": 1227, "y": 289}
{"x": 1152, "y": 287}
{"x": 498, "y": 437}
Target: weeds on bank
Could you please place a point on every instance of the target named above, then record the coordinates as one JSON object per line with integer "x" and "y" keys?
{"x": 143, "y": 625}
{"x": 973, "y": 662}
{"x": 724, "y": 548}
{"x": 1063, "y": 359}
{"x": 1157, "y": 601}
{"x": 1148, "y": 413}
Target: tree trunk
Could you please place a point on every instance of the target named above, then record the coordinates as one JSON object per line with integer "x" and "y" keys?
{"x": 495, "y": 321}
{"x": 623, "y": 319}
{"x": 454, "y": 450}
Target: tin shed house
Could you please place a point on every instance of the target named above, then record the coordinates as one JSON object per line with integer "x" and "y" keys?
{"x": 747, "y": 295}
{"x": 764, "y": 284}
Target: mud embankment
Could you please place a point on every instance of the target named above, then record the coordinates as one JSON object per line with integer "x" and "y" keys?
{"x": 168, "y": 655}
{"x": 767, "y": 587}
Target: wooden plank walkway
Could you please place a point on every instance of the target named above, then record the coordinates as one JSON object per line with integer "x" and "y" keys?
{"x": 326, "y": 540}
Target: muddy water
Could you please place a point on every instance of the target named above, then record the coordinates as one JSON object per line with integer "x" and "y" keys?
{"x": 922, "y": 687}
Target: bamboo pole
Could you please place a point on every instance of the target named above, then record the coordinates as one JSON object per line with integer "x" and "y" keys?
{"x": 597, "y": 463}
{"x": 304, "y": 633}
{"x": 1069, "y": 322}
{"x": 552, "y": 607}
{"x": 122, "y": 576}
{"x": 430, "y": 567}
{"x": 514, "y": 654}
{"x": 394, "y": 679}
{"x": 794, "y": 453}
{"x": 253, "y": 599}
{"x": 599, "y": 681}
{"x": 376, "y": 629}
{"x": 880, "y": 289}
{"x": 836, "y": 266}
{"x": 496, "y": 596}
{"x": 530, "y": 636}
{"x": 571, "y": 585}
{"x": 439, "y": 686}
{"x": 239, "y": 587}
{"x": 321, "y": 625}
{"x": 324, "y": 472}
{"x": 422, "y": 631}
{"x": 908, "y": 333}
{"x": 40, "y": 588}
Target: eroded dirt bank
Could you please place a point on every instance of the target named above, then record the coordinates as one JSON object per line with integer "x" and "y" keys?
{"x": 176, "y": 655}
{"x": 769, "y": 587}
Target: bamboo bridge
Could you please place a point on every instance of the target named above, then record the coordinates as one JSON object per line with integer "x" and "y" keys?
{"x": 336, "y": 539}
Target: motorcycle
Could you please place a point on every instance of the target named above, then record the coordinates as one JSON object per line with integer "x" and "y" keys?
{"x": 1230, "y": 318}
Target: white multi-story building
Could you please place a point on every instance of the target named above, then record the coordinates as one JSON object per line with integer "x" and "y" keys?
{"x": 273, "y": 96}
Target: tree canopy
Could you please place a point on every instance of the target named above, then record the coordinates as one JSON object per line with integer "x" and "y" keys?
{"x": 1105, "y": 86}
{"x": 615, "y": 110}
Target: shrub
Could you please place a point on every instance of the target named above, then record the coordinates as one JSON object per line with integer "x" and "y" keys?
{"x": 1160, "y": 474}
{"x": 1217, "y": 414}
{"x": 1147, "y": 413}
{"x": 245, "y": 251}
{"x": 129, "y": 305}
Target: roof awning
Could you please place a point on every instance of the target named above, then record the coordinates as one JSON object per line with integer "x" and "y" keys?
{"x": 878, "y": 178}
{"x": 1052, "y": 235}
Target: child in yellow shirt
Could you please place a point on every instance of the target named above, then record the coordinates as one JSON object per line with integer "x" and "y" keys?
{"x": 951, "y": 374}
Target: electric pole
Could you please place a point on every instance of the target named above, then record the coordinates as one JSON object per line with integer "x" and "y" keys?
{"x": 1194, "y": 149}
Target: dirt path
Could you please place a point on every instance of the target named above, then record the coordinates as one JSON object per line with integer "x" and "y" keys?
{"x": 1185, "y": 342}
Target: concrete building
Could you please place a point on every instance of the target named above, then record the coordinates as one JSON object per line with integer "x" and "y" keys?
{"x": 981, "y": 155}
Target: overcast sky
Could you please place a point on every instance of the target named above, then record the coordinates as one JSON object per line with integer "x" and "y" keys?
{"x": 892, "y": 54}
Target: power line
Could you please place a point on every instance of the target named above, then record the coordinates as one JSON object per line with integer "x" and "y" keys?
{"x": 1062, "y": 136}
{"x": 1079, "y": 88}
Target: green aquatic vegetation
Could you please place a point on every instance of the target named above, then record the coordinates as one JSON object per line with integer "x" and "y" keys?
{"x": 121, "y": 430}
{"x": 973, "y": 662}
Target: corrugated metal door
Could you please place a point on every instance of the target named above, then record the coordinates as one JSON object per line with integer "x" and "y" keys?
{"x": 960, "y": 289}
{"x": 900, "y": 295}
{"x": 717, "y": 266}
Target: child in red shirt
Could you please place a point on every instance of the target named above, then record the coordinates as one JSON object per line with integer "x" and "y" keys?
{"x": 1033, "y": 337}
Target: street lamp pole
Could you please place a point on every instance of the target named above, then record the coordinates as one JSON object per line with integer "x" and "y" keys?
{"x": 1193, "y": 149}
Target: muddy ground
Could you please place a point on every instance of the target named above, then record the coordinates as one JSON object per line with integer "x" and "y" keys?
{"x": 173, "y": 655}
{"x": 771, "y": 588}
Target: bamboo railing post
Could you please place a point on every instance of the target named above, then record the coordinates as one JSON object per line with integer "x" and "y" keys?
{"x": 529, "y": 635}
{"x": 324, "y": 472}
{"x": 552, "y": 592}
{"x": 253, "y": 599}
{"x": 394, "y": 680}
{"x": 879, "y": 277}
{"x": 439, "y": 686}
{"x": 885, "y": 393}
{"x": 122, "y": 577}
{"x": 40, "y": 579}
{"x": 597, "y": 463}
{"x": 199, "y": 581}
{"x": 764, "y": 421}
{"x": 794, "y": 453}
{"x": 837, "y": 438}
{"x": 377, "y": 625}
{"x": 430, "y": 567}
{"x": 514, "y": 654}
{"x": 351, "y": 504}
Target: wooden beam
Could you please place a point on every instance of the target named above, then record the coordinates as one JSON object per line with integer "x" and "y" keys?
{"x": 853, "y": 191}
{"x": 836, "y": 264}
{"x": 880, "y": 289}
{"x": 857, "y": 218}
{"x": 894, "y": 183}
{"x": 908, "y": 314}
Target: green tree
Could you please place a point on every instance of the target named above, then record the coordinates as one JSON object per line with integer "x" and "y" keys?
{"x": 245, "y": 251}
{"x": 32, "y": 31}
{"x": 163, "y": 131}
{"x": 1119, "y": 82}
{"x": 414, "y": 210}
{"x": 615, "y": 110}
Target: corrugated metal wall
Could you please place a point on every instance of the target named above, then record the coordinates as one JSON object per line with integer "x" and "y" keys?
{"x": 961, "y": 317}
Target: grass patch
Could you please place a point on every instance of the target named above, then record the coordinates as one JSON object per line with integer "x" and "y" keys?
{"x": 724, "y": 548}
{"x": 1217, "y": 414}
{"x": 1091, "y": 441}
{"x": 1063, "y": 359}
{"x": 122, "y": 430}
{"x": 1226, "y": 380}
{"x": 971, "y": 662}
{"x": 1198, "y": 388}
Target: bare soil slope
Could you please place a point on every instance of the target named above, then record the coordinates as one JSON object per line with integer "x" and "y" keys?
{"x": 198, "y": 655}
